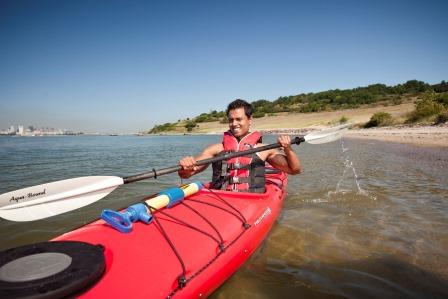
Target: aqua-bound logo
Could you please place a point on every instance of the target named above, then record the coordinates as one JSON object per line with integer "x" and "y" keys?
{"x": 29, "y": 195}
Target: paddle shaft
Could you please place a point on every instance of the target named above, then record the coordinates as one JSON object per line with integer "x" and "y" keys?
{"x": 155, "y": 173}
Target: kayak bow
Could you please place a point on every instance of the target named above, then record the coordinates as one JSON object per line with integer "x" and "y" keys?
{"x": 187, "y": 251}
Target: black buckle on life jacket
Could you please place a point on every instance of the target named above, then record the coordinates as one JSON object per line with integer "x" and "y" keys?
{"x": 235, "y": 166}
{"x": 269, "y": 170}
{"x": 238, "y": 180}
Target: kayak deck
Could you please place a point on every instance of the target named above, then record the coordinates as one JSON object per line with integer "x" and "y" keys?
{"x": 188, "y": 250}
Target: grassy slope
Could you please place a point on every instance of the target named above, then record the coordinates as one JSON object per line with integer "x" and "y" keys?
{"x": 305, "y": 120}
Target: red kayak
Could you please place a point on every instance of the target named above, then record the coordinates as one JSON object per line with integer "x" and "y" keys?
{"x": 186, "y": 251}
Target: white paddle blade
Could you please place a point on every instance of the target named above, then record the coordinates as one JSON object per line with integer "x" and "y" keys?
{"x": 326, "y": 135}
{"x": 46, "y": 200}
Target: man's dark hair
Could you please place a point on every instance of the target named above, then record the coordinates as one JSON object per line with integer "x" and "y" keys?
{"x": 238, "y": 103}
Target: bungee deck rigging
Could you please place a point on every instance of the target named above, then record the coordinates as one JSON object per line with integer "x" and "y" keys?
{"x": 182, "y": 278}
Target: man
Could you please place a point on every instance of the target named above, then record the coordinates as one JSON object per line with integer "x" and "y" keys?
{"x": 243, "y": 173}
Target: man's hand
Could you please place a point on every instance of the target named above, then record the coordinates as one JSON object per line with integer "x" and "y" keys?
{"x": 285, "y": 142}
{"x": 287, "y": 162}
{"x": 188, "y": 163}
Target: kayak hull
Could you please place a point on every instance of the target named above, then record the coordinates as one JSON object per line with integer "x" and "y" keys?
{"x": 188, "y": 250}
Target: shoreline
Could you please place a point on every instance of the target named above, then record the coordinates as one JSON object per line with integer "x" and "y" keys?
{"x": 303, "y": 123}
{"x": 419, "y": 135}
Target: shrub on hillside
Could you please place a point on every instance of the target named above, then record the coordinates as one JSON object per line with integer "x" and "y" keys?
{"x": 379, "y": 119}
{"x": 190, "y": 125}
{"x": 258, "y": 114}
{"x": 443, "y": 99}
{"x": 162, "y": 128}
{"x": 343, "y": 119}
{"x": 426, "y": 108}
{"x": 442, "y": 118}
{"x": 397, "y": 100}
{"x": 208, "y": 117}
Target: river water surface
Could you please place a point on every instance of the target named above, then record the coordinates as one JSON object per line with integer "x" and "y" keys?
{"x": 366, "y": 219}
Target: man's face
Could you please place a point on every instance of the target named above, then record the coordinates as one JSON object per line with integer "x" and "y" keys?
{"x": 239, "y": 123}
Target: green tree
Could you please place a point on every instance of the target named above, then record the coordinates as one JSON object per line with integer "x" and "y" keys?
{"x": 416, "y": 86}
{"x": 190, "y": 125}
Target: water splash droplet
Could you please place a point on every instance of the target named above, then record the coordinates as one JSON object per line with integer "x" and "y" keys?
{"x": 348, "y": 168}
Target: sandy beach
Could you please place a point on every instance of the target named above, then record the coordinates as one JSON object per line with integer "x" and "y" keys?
{"x": 421, "y": 135}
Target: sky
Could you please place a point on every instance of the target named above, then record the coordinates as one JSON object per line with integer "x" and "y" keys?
{"x": 124, "y": 66}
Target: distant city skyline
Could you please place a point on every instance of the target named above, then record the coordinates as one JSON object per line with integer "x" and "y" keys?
{"x": 32, "y": 127}
{"x": 33, "y": 130}
{"x": 119, "y": 66}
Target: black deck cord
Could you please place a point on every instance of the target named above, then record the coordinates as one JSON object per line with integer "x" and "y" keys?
{"x": 209, "y": 223}
{"x": 173, "y": 292}
{"x": 245, "y": 224}
{"x": 218, "y": 207}
{"x": 182, "y": 278}
{"x": 181, "y": 222}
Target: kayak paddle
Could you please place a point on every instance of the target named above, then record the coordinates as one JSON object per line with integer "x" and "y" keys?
{"x": 50, "y": 199}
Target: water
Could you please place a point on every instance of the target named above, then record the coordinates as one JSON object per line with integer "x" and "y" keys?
{"x": 366, "y": 219}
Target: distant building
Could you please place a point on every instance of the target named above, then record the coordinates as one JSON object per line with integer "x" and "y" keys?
{"x": 35, "y": 131}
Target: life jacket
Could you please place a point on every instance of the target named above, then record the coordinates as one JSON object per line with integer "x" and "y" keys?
{"x": 241, "y": 174}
